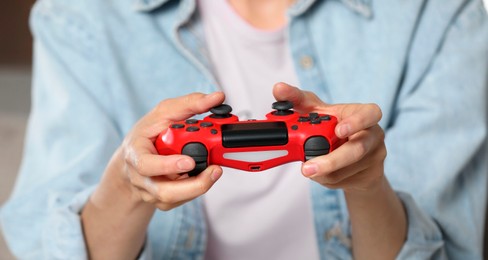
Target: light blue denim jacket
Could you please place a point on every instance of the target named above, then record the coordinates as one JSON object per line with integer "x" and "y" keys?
{"x": 101, "y": 65}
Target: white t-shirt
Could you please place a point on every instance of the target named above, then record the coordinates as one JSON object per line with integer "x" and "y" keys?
{"x": 254, "y": 215}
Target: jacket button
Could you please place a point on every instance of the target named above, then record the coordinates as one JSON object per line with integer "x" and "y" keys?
{"x": 306, "y": 62}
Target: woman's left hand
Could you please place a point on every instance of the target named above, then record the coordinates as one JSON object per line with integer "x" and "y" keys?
{"x": 357, "y": 165}
{"x": 357, "y": 168}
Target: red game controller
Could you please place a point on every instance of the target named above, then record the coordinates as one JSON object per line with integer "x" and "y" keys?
{"x": 252, "y": 145}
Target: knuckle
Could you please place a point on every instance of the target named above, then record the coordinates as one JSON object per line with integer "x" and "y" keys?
{"x": 139, "y": 164}
{"x": 166, "y": 197}
{"x": 328, "y": 165}
{"x": 381, "y": 133}
{"x": 332, "y": 179}
{"x": 162, "y": 105}
{"x": 202, "y": 187}
{"x": 148, "y": 198}
{"x": 384, "y": 152}
{"x": 376, "y": 109}
{"x": 332, "y": 186}
{"x": 133, "y": 178}
{"x": 360, "y": 149}
{"x": 194, "y": 102}
{"x": 381, "y": 153}
{"x": 129, "y": 152}
{"x": 191, "y": 98}
{"x": 164, "y": 207}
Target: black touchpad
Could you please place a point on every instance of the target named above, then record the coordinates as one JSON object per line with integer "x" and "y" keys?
{"x": 254, "y": 134}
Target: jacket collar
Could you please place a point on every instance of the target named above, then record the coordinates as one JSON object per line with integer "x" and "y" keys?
{"x": 362, "y": 7}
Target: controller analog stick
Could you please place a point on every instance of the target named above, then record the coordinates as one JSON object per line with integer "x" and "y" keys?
{"x": 222, "y": 111}
{"x": 283, "y": 108}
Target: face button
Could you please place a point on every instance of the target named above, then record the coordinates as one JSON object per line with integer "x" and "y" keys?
{"x": 192, "y": 129}
{"x": 213, "y": 131}
{"x": 325, "y": 118}
{"x": 191, "y": 121}
{"x": 206, "y": 124}
{"x": 313, "y": 115}
{"x": 303, "y": 119}
{"x": 294, "y": 127}
{"x": 177, "y": 126}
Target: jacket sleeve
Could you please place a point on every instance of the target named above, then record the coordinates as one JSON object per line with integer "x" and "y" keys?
{"x": 437, "y": 141}
{"x": 70, "y": 136}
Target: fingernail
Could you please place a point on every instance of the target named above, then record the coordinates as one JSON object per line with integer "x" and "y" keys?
{"x": 184, "y": 164}
{"x": 344, "y": 130}
{"x": 310, "y": 169}
{"x": 215, "y": 175}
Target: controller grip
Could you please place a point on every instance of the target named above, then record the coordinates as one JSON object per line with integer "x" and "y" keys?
{"x": 316, "y": 146}
{"x": 199, "y": 153}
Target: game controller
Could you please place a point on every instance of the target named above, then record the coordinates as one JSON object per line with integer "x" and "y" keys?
{"x": 252, "y": 145}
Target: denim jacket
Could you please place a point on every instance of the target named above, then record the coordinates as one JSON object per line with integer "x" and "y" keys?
{"x": 100, "y": 65}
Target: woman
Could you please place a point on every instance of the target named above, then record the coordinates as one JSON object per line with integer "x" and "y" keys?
{"x": 91, "y": 183}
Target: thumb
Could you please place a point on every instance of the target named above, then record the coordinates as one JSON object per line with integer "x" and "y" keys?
{"x": 303, "y": 101}
{"x": 175, "y": 109}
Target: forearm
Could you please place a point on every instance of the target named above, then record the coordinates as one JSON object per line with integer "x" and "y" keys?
{"x": 138, "y": 180}
{"x": 115, "y": 220}
{"x": 378, "y": 219}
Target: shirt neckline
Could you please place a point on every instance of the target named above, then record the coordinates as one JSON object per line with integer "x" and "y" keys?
{"x": 241, "y": 26}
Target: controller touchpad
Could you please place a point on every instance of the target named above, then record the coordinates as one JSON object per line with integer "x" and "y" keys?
{"x": 254, "y": 134}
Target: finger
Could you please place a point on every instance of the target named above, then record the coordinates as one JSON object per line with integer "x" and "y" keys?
{"x": 142, "y": 157}
{"x": 172, "y": 192}
{"x": 176, "y": 109}
{"x": 340, "y": 176}
{"x": 155, "y": 165}
{"x": 303, "y": 101}
{"x": 357, "y": 117}
{"x": 349, "y": 153}
{"x": 343, "y": 176}
{"x": 146, "y": 196}
{"x": 187, "y": 106}
{"x": 362, "y": 181}
{"x": 149, "y": 184}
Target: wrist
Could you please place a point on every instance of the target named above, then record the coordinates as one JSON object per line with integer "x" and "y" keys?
{"x": 115, "y": 187}
{"x": 374, "y": 186}
{"x": 378, "y": 221}
{"x": 115, "y": 218}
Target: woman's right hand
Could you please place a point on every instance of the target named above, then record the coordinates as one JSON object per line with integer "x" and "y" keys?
{"x": 137, "y": 181}
{"x": 158, "y": 179}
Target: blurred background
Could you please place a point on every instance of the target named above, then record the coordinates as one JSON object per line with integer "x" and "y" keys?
{"x": 15, "y": 79}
